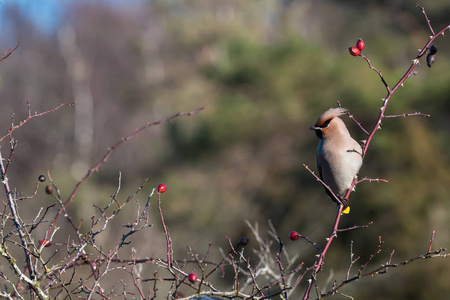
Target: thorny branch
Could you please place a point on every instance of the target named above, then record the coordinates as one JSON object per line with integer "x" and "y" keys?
{"x": 390, "y": 91}
{"x": 32, "y": 116}
{"x": 384, "y": 268}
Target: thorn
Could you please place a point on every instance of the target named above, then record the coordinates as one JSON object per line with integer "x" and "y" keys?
{"x": 415, "y": 61}
{"x": 444, "y": 31}
{"x": 317, "y": 255}
{"x": 327, "y": 239}
{"x": 431, "y": 36}
{"x": 402, "y": 85}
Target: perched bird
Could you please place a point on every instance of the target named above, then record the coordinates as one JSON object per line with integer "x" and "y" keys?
{"x": 339, "y": 156}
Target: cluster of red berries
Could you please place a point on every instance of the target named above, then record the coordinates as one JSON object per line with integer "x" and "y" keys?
{"x": 356, "y": 50}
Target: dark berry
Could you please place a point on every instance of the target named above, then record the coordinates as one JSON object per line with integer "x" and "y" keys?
{"x": 48, "y": 190}
{"x": 433, "y": 49}
{"x": 42, "y": 178}
{"x": 431, "y": 58}
{"x": 243, "y": 241}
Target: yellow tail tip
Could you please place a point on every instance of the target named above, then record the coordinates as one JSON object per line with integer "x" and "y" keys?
{"x": 346, "y": 210}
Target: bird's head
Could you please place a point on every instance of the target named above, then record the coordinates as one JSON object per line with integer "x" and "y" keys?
{"x": 329, "y": 123}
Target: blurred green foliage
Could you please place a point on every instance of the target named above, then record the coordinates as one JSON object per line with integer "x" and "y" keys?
{"x": 265, "y": 71}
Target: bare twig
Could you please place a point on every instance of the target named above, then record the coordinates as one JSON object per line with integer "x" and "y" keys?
{"x": 8, "y": 52}
{"x": 319, "y": 262}
{"x": 108, "y": 154}
{"x": 416, "y": 114}
{"x": 378, "y": 72}
{"x": 355, "y": 227}
{"x": 354, "y": 120}
{"x": 311, "y": 242}
{"x": 383, "y": 269}
{"x": 32, "y": 116}
{"x": 336, "y": 198}
{"x": 426, "y": 17}
{"x": 169, "y": 250}
{"x": 431, "y": 241}
{"x": 371, "y": 180}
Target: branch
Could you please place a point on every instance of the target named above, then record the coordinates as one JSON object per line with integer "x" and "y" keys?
{"x": 426, "y": 17}
{"x": 371, "y": 180}
{"x": 8, "y": 52}
{"x": 390, "y": 91}
{"x": 16, "y": 219}
{"x": 319, "y": 262}
{"x": 354, "y": 120}
{"x": 377, "y": 71}
{"x": 355, "y": 227}
{"x": 108, "y": 154}
{"x": 416, "y": 114}
{"x": 384, "y": 268}
{"x": 407, "y": 74}
{"x": 32, "y": 116}
{"x": 336, "y": 198}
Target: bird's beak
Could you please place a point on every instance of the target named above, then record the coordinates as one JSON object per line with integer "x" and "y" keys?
{"x": 314, "y": 128}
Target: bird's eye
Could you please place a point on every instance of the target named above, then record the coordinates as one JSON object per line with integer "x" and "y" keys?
{"x": 327, "y": 122}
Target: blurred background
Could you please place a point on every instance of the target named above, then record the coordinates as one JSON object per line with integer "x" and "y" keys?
{"x": 264, "y": 70}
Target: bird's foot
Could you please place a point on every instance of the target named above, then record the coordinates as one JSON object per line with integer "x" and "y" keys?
{"x": 344, "y": 201}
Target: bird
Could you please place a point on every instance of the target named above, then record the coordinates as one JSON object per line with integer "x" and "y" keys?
{"x": 339, "y": 156}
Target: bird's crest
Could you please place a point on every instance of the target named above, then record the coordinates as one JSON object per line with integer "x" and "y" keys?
{"x": 329, "y": 114}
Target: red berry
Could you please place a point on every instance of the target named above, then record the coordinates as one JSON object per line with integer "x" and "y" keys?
{"x": 360, "y": 44}
{"x": 46, "y": 243}
{"x": 294, "y": 235}
{"x": 354, "y": 51}
{"x": 162, "y": 188}
{"x": 192, "y": 277}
